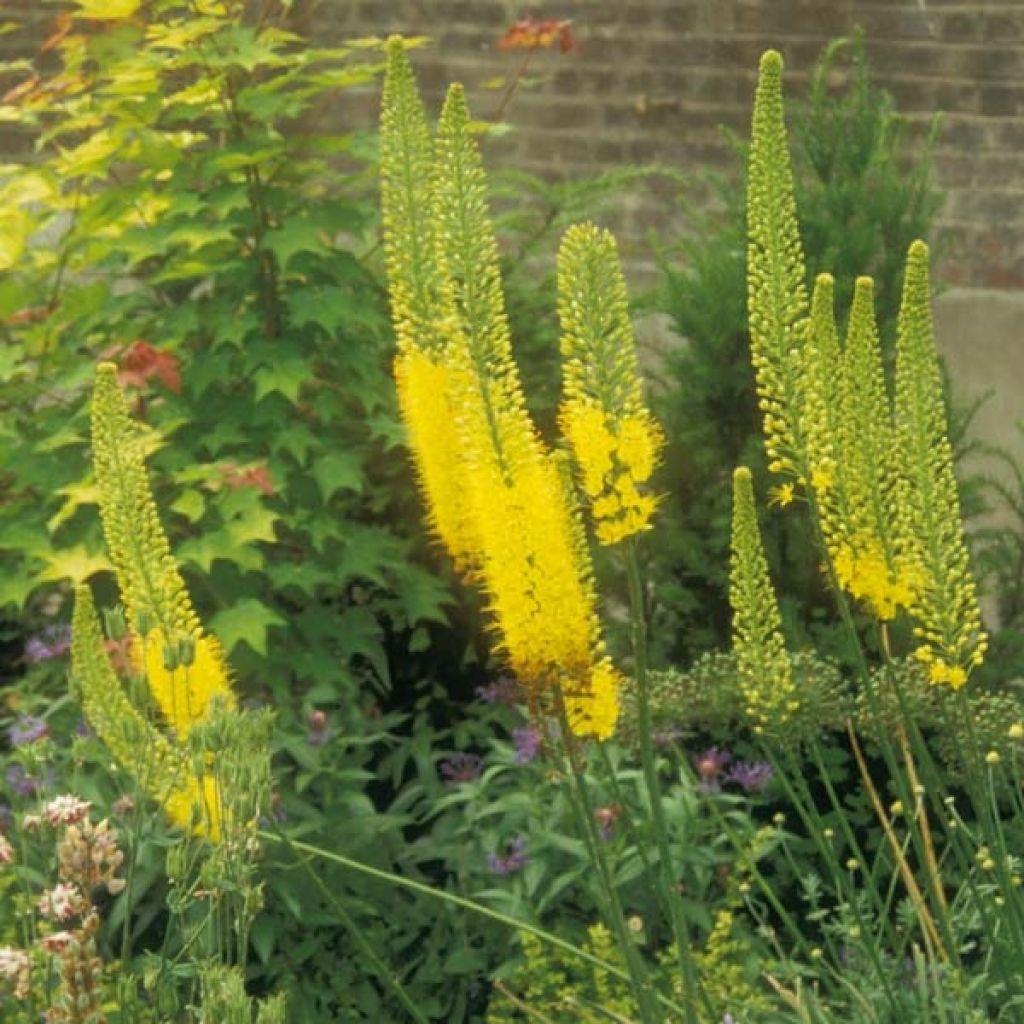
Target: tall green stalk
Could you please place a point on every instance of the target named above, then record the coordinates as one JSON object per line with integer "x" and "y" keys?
{"x": 669, "y": 890}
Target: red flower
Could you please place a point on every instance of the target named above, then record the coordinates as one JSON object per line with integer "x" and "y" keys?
{"x": 530, "y": 34}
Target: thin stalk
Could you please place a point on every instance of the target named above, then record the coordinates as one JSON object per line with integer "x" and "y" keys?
{"x": 584, "y": 808}
{"x": 905, "y": 872}
{"x": 691, "y": 982}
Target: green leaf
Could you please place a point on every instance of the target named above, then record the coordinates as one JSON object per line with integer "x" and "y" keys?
{"x": 295, "y": 236}
{"x": 85, "y": 492}
{"x": 76, "y": 564}
{"x": 190, "y": 504}
{"x": 246, "y": 622}
{"x": 338, "y": 471}
{"x": 286, "y": 375}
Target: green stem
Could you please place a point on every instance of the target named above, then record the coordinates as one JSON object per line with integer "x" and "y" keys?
{"x": 691, "y": 983}
{"x": 614, "y": 913}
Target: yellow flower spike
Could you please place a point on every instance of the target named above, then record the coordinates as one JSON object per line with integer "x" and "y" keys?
{"x": 156, "y": 601}
{"x": 162, "y": 770}
{"x": 763, "y": 662}
{"x": 534, "y": 566}
{"x": 614, "y": 439}
{"x": 423, "y": 312}
{"x": 776, "y": 292}
{"x": 945, "y": 606}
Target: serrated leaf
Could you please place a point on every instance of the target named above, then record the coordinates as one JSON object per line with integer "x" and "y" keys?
{"x": 190, "y": 504}
{"x": 247, "y": 621}
{"x": 338, "y": 471}
{"x": 293, "y": 237}
{"x": 76, "y": 564}
{"x": 85, "y": 492}
{"x": 286, "y": 376}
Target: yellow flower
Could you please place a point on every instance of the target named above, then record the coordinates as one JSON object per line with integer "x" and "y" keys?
{"x": 183, "y": 693}
{"x": 595, "y": 711}
{"x": 782, "y": 495}
{"x": 613, "y": 438}
{"x": 425, "y": 395}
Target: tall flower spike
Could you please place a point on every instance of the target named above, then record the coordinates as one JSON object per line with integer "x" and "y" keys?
{"x": 776, "y": 289}
{"x": 948, "y": 619}
{"x": 764, "y": 664}
{"x": 161, "y": 769}
{"x": 533, "y": 563}
{"x": 867, "y": 555}
{"x": 416, "y": 281}
{"x": 185, "y": 667}
{"x": 422, "y": 310}
{"x": 614, "y": 439}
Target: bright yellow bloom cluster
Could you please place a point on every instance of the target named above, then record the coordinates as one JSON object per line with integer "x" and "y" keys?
{"x": 498, "y": 499}
{"x": 425, "y": 399}
{"x": 764, "y": 664}
{"x": 187, "y": 666}
{"x": 614, "y": 439}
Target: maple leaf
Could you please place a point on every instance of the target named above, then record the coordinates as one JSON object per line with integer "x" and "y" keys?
{"x": 256, "y": 475}
{"x": 141, "y": 362}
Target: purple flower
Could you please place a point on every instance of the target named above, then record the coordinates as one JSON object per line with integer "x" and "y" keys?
{"x": 513, "y": 860}
{"x": 27, "y": 729}
{"x": 19, "y": 781}
{"x": 461, "y": 767}
{"x": 664, "y": 737}
{"x": 52, "y": 642}
{"x": 319, "y": 729}
{"x": 504, "y": 690}
{"x": 83, "y": 730}
{"x": 710, "y": 766}
{"x": 751, "y": 776}
{"x": 527, "y": 741}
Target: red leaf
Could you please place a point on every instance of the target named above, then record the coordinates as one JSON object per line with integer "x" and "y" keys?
{"x": 141, "y": 363}
{"x": 257, "y": 475}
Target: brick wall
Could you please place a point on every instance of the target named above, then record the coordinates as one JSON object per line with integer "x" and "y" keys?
{"x": 652, "y": 80}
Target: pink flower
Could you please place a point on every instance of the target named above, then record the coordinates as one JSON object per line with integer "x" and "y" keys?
{"x": 57, "y": 942}
{"x": 60, "y": 903}
{"x": 6, "y": 851}
{"x": 12, "y": 962}
{"x": 66, "y": 810}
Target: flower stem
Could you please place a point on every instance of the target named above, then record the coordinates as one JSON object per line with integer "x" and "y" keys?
{"x": 670, "y": 893}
